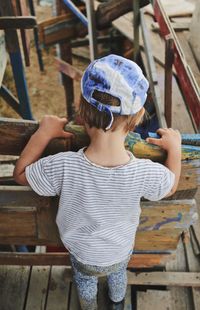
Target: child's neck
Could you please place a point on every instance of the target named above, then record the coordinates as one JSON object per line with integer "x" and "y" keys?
{"x": 107, "y": 148}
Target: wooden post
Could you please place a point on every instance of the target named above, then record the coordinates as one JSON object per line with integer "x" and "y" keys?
{"x": 159, "y": 106}
{"x": 65, "y": 53}
{"x": 3, "y": 58}
{"x": 36, "y": 37}
{"x": 12, "y": 44}
{"x": 92, "y": 29}
{"x": 136, "y": 24}
{"x": 169, "y": 60}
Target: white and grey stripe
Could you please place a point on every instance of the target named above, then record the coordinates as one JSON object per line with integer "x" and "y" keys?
{"x": 99, "y": 207}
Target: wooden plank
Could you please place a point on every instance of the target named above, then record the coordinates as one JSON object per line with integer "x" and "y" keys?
{"x": 182, "y": 279}
{"x": 154, "y": 300}
{"x": 161, "y": 222}
{"x": 183, "y": 38}
{"x": 180, "y": 116}
{"x": 194, "y": 33}
{"x": 38, "y": 288}
{"x": 12, "y": 45}
{"x": 68, "y": 69}
{"x": 20, "y": 221}
{"x": 181, "y": 297}
{"x": 64, "y": 51}
{"x": 3, "y": 58}
{"x": 16, "y": 133}
{"x": 25, "y": 34}
{"x": 162, "y": 240}
{"x": 180, "y": 8}
{"x": 187, "y": 81}
{"x": 177, "y": 26}
{"x": 58, "y": 289}
{"x": 103, "y": 302}
{"x": 128, "y": 302}
{"x": 16, "y": 22}
{"x": 193, "y": 265}
{"x": 152, "y": 74}
{"x": 74, "y": 301}
{"x": 144, "y": 260}
{"x": 169, "y": 59}
{"x": 13, "y": 286}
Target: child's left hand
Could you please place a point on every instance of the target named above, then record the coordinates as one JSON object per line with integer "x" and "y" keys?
{"x": 52, "y": 126}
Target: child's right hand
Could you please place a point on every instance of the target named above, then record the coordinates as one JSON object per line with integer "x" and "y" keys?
{"x": 170, "y": 139}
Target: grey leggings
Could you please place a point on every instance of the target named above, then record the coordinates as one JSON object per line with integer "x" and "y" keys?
{"x": 86, "y": 279}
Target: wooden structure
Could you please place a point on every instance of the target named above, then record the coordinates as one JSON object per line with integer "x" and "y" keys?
{"x": 26, "y": 218}
{"x": 29, "y": 219}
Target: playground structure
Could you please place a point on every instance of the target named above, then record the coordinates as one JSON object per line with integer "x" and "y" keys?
{"x": 27, "y": 219}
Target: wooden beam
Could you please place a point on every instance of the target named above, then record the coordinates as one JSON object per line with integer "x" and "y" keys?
{"x": 13, "y": 48}
{"x": 18, "y": 22}
{"x": 159, "y": 105}
{"x": 62, "y": 258}
{"x": 68, "y": 69}
{"x": 188, "y": 84}
{"x": 181, "y": 279}
{"x": 3, "y": 58}
{"x": 15, "y": 134}
{"x": 56, "y": 30}
{"x": 169, "y": 59}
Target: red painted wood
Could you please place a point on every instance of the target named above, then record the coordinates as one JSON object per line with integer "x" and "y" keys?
{"x": 190, "y": 95}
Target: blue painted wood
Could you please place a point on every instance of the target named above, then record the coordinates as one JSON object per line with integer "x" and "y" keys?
{"x": 21, "y": 85}
{"x": 191, "y": 139}
{"x": 10, "y": 98}
{"x": 76, "y": 11}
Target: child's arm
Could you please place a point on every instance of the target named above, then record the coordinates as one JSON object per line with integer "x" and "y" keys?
{"x": 50, "y": 127}
{"x": 171, "y": 142}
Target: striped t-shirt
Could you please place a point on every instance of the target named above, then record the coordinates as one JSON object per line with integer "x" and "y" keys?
{"x": 99, "y": 207}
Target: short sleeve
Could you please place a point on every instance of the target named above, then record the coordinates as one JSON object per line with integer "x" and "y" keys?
{"x": 158, "y": 181}
{"x": 45, "y": 176}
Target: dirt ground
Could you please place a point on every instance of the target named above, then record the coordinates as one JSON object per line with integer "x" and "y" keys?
{"x": 45, "y": 89}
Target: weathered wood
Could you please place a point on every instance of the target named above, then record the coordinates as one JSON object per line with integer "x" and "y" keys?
{"x": 65, "y": 53}
{"x": 181, "y": 297}
{"x": 182, "y": 279}
{"x": 58, "y": 289}
{"x": 25, "y": 35}
{"x": 169, "y": 59}
{"x": 31, "y": 220}
{"x": 13, "y": 47}
{"x": 3, "y": 58}
{"x": 152, "y": 73}
{"x": 16, "y": 133}
{"x": 69, "y": 27}
{"x": 188, "y": 84}
{"x": 109, "y": 11}
{"x": 194, "y": 33}
{"x": 74, "y": 301}
{"x": 13, "y": 286}
{"x": 177, "y": 26}
{"x": 144, "y": 260}
{"x": 68, "y": 69}
{"x": 38, "y": 288}
{"x": 154, "y": 300}
{"x": 193, "y": 265}
{"x": 17, "y": 22}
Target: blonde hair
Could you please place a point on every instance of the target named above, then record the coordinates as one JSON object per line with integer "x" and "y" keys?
{"x": 100, "y": 120}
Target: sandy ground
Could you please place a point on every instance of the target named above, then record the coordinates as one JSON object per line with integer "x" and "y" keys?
{"x": 45, "y": 89}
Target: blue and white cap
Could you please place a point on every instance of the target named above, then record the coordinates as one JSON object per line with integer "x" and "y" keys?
{"x": 119, "y": 77}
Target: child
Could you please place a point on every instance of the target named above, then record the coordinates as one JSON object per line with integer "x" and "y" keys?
{"x": 100, "y": 186}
